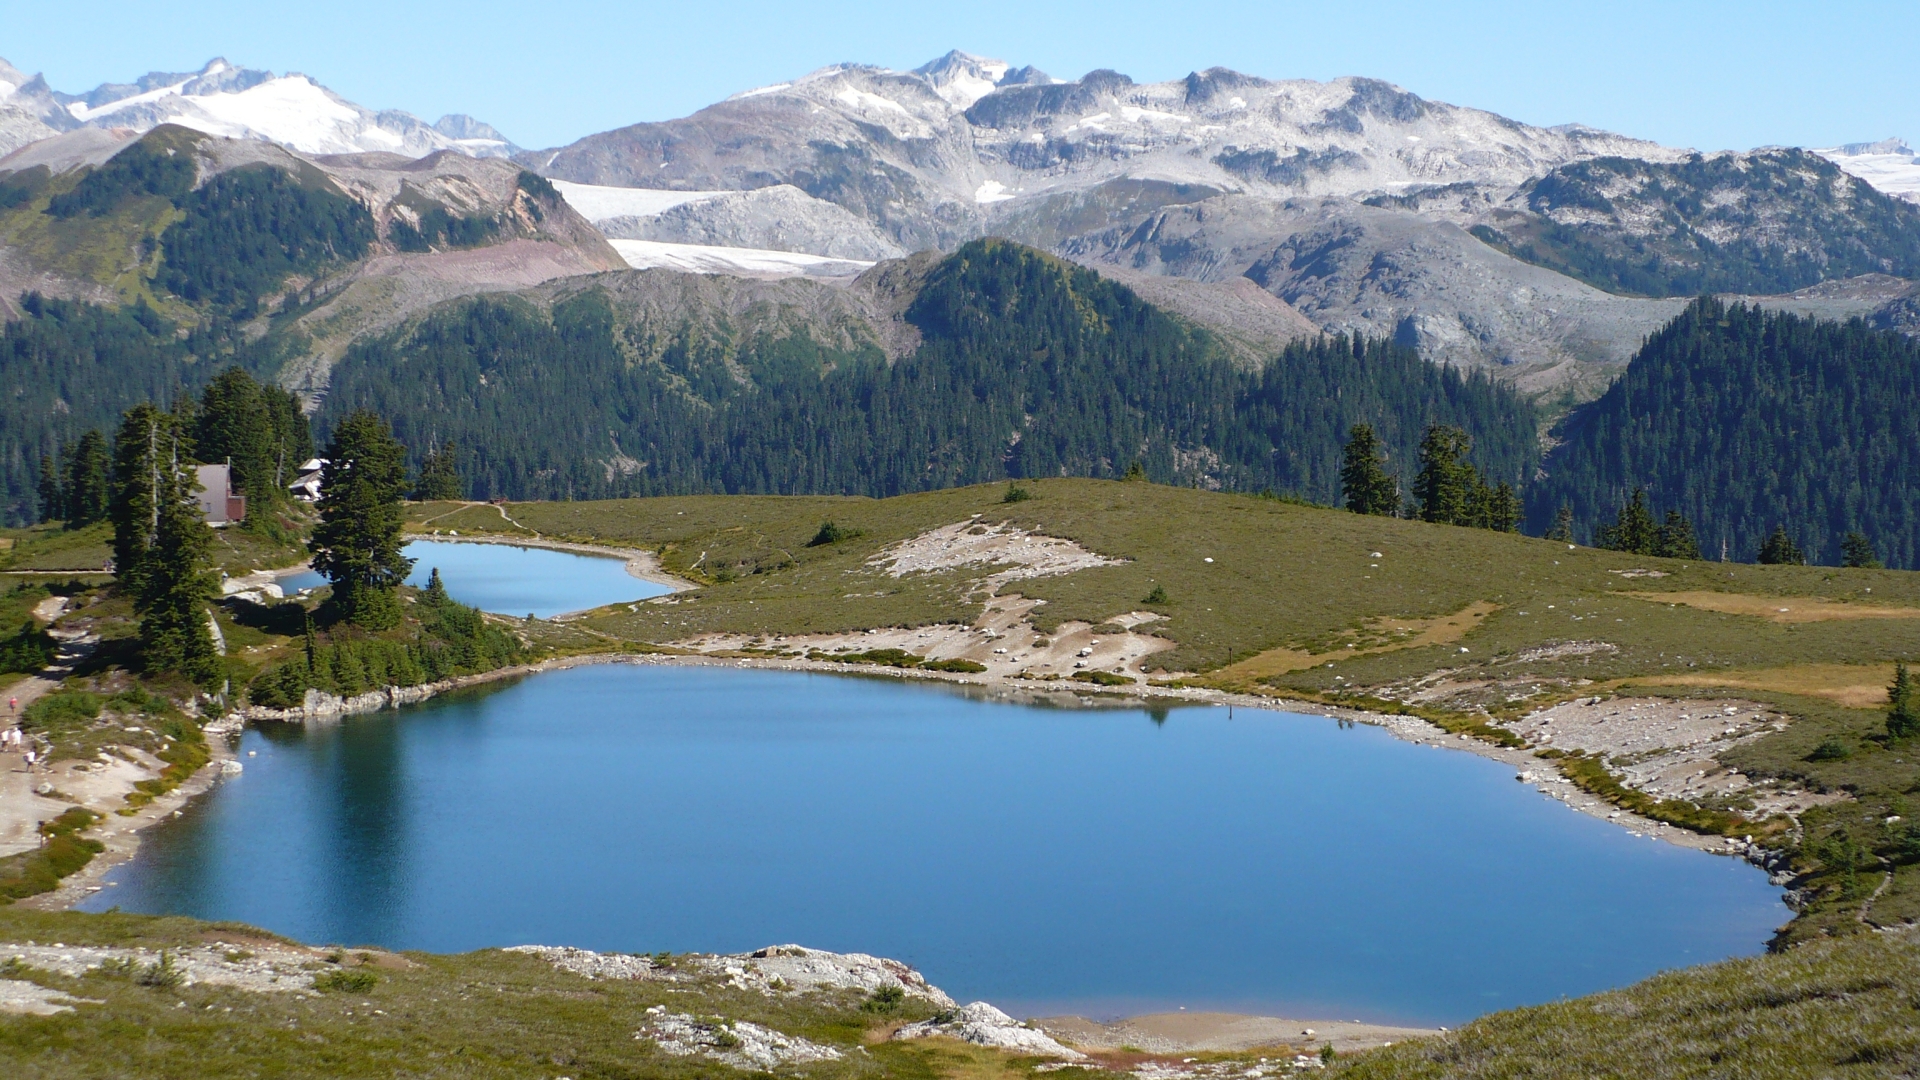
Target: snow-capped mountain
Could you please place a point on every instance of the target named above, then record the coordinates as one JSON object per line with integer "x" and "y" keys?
{"x": 925, "y": 151}
{"x": 240, "y": 103}
{"x": 1481, "y": 239}
{"x": 1890, "y": 165}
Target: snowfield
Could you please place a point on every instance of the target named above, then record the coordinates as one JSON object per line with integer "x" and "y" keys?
{"x": 1890, "y": 166}
{"x": 742, "y": 262}
{"x": 597, "y": 202}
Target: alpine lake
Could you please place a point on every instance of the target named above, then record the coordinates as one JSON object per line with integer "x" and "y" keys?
{"x": 1051, "y": 853}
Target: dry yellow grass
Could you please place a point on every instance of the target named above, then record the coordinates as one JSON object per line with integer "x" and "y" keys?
{"x": 1856, "y": 686}
{"x": 1407, "y": 634}
{"x": 1780, "y": 609}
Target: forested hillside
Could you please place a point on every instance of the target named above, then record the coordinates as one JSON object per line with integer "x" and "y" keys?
{"x": 1745, "y": 420}
{"x": 67, "y": 368}
{"x": 1027, "y": 366}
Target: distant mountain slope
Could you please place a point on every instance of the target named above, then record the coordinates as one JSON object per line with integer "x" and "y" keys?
{"x": 1009, "y": 363}
{"x": 1346, "y": 199}
{"x": 441, "y": 203}
{"x": 1772, "y": 221}
{"x": 901, "y": 150}
{"x": 1745, "y": 419}
{"x": 236, "y": 103}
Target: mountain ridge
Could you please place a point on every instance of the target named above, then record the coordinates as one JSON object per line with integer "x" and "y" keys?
{"x": 222, "y": 99}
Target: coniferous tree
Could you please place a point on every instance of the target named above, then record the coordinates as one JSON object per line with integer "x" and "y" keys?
{"x": 439, "y": 476}
{"x": 1633, "y": 531}
{"x": 146, "y": 434}
{"x": 1857, "y": 551}
{"x": 1780, "y": 550}
{"x": 1445, "y": 487}
{"x": 1562, "y": 529}
{"x": 1366, "y": 486}
{"x": 1502, "y": 508}
{"x": 84, "y": 483}
{"x": 292, "y": 435}
{"x": 1903, "y": 713}
{"x": 357, "y": 543}
{"x": 53, "y": 501}
{"x": 161, "y": 543}
{"x": 233, "y": 426}
{"x": 1675, "y": 538}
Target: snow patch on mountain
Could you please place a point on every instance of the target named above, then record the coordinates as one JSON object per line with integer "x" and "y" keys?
{"x": 599, "y": 202}
{"x": 777, "y": 218}
{"x": 963, "y": 78}
{"x": 1890, "y": 165}
{"x": 738, "y": 262}
{"x": 242, "y": 103}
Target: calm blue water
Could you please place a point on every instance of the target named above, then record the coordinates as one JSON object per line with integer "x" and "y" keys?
{"x": 1045, "y": 859}
{"x": 515, "y": 580}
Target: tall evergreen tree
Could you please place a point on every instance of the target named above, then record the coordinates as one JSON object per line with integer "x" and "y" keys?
{"x": 1634, "y": 531}
{"x": 1675, "y": 538}
{"x": 1445, "y": 487}
{"x": 1364, "y": 483}
{"x": 439, "y": 476}
{"x": 292, "y": 435}
{"x": 1903, "y": 713}
{"x": 84, "y": 483}
{"x": 1562, "y": 529}
{"x": 1780, "y": 550}
{"x": 233, "y": 426}
{"x": 53, "y": 501}
{"x": 161, "y": 543}
{"x": 1857, "y": 551}
{"x": 1502, "y": 512}
{"x": 357, "y": 543}
{"x": 145, "y": 437}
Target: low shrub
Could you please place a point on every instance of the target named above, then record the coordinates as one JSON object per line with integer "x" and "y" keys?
{"x": 900, "y": 658}
{"x": 965, "y": 666}
{"x": 1831, "y": 750}
{"x": 883, "y": 1000}
{"x": 346, "y": 981}
{"x": 832, "y": 534}
{"x": 1102, "y": 678}
{"x": 29, "y": 649}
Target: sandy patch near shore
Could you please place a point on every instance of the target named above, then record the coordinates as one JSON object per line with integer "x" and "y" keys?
{"x": 1189, "y": 1032}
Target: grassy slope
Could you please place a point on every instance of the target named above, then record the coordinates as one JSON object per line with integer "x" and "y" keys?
{"x": 478, "y": 1015}
{"x": 1284, "y": 577}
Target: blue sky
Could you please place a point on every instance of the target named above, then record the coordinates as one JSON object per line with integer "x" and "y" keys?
{"x": 1707, "y": 75}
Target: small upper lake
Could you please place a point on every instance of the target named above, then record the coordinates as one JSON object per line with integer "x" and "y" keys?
{"x": 511, "y": 580}
{"x": 1048, "y": 859}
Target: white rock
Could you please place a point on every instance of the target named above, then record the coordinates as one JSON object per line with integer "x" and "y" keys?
{"x": 983, "y": 1025}
{"x": 736, "y": 1042}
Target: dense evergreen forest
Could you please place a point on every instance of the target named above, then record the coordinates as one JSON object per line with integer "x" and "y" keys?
{"x": 67, "y": 368}
{"x": 1744, "y": 420}
{"x": 1028, "y": 366}
{"x": 246, "y": 231}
